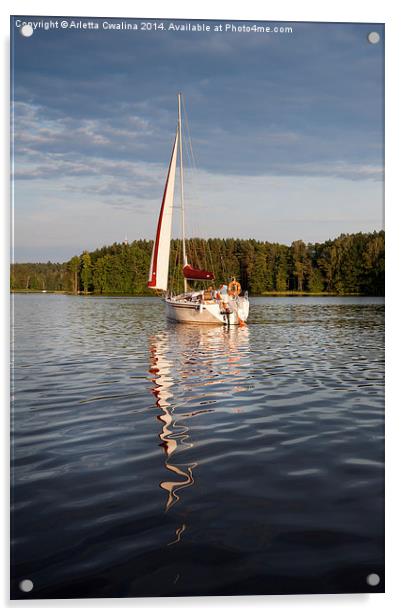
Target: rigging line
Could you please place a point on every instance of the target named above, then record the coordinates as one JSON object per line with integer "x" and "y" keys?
{"x": 194, "y": 163}
{"x": 193, "y": 183}
{"x": 174, "y": 277}
{"x": 191, "y": 239}
{"x": 205, "y": 253}
{"x": 184, "y": 255}
{"x": 209, "y": 264}
{"x": 191, "y": 156}
{"x": 193, "y": 166}
{"x": 178, "y": 279}
{"x": 223, "y": 265}
{"x": 210, "y": 254}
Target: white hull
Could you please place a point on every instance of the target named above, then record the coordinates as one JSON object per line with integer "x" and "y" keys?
{"x": 185, "y": 311}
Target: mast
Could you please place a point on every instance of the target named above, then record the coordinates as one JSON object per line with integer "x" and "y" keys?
{"x": 184, "y": 253}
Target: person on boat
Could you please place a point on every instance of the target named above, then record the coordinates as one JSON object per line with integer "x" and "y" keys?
{"x": 210, "y": 294}
{"x": 197, "y": 296}
{"x": 223, "y": 296}
{"x": 234, "y": 288}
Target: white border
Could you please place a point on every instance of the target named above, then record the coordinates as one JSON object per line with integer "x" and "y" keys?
{"x": 292, "y": 10}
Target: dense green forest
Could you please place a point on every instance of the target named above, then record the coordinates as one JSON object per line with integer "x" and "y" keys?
{"x": 349, "y": 264}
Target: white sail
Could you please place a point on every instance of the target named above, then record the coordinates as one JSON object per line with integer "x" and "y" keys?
{"x": 158, "y": 273}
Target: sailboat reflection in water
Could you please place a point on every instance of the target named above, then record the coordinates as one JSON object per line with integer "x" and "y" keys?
{"x": 172, "y": 434}
{"x": 190, "y": 366}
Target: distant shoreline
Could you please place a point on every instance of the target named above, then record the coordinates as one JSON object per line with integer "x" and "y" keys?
{"x": 264, "y": 294}
{"x": 351, "y": 264}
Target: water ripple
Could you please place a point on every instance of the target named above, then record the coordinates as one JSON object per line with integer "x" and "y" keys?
{"x": 212, "y": 460}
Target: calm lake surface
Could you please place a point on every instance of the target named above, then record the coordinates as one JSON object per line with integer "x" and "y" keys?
{"x": 152, "y": 458}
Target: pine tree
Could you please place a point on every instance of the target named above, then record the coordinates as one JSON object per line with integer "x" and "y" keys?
{"x": 86, "y": 271}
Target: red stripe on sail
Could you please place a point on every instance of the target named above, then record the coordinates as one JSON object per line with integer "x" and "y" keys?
{"x": 152, "y": 281}
{"x": 191, "y": 273}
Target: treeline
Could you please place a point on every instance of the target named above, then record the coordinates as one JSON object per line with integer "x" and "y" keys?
{"x": 349, "y": 264}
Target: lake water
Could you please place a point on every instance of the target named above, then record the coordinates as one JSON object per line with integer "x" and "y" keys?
{"x": 152, "y": 458}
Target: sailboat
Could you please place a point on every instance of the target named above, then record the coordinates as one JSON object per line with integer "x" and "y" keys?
{"x": 227, "y": 307}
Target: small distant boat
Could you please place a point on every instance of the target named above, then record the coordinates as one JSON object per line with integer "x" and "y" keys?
{"x": 226, "y": 306}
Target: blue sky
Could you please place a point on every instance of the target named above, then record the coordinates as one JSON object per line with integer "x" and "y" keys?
{"x": 287, "y": 131}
